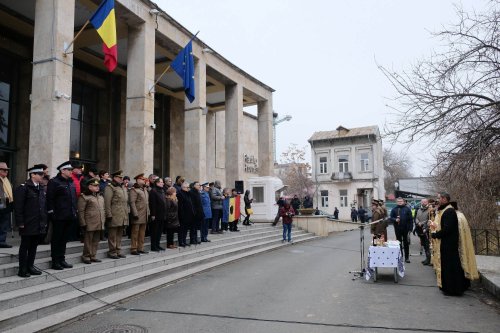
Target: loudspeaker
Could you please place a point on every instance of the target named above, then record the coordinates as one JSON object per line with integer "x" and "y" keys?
{"x": 238, "y": 185}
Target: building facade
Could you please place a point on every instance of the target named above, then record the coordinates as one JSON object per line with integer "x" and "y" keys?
{"x": 56, "y": 106}
{"x": 347, "y": 168}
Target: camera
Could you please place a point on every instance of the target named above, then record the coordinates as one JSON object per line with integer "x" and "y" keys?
{"x": 152, "y": 126}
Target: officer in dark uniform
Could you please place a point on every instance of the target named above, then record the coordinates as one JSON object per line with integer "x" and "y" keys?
{"x": 62, "y": 211}
{"x": 31, "y": 219}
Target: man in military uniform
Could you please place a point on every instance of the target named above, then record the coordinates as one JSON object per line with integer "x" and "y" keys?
{"x": 91, "y": 216}
{"x": 62, "y": 212}
{"x": 422, "y": 230}
{"x": 116, "y": 207}
{"x": 139, "y": 211}
{"x": 31, "y": 219}
{"x": 378, "y": 229}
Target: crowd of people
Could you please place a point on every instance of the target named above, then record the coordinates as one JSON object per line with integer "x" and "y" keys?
{"x": 444, "y": 235}
{"x": 92, "y": 206}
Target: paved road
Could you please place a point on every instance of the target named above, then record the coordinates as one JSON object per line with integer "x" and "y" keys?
{"x": 302, "y": 288}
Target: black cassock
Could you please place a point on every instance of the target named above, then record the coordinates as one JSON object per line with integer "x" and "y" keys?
{"x": 453, "y": 280}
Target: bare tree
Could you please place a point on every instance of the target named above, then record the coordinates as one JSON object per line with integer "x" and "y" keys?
{"x": 452, "y": 98}
{"x": 452, "y": 101}
{"x": 296, "y": 171}
{"x": 396, "y": 165}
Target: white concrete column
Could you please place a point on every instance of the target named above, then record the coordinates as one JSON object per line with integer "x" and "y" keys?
{"x": 234, "y": 124}
{"x": 139, "y": 116}
{"x": 195, "y": 128}
{"x": 265, "y": 129}
{"x": 50, "y": 115}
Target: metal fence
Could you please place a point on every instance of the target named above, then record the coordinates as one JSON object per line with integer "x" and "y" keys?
{"x": 486, "y": 241}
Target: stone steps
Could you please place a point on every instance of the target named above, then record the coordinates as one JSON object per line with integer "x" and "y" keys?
{"x": 58, "y": 296}
{"x": 74, "y": 255}
{"x": 43, "y": 251}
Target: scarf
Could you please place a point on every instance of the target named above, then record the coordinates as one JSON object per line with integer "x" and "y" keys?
{"x": 7, "y": 188}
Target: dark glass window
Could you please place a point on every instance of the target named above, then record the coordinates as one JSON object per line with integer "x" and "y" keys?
{"x": 5, "y": 87}
{"x": 83, "y": 122}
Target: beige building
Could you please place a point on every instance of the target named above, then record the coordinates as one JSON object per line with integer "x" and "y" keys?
{"x": 348, "y": 169}
{"x": 55, "y": 107}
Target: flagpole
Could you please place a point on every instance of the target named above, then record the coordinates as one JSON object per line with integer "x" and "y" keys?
{"x": 78, "y": 34}
{"x": 168, "y": 67}
{"x": 159, "y": 78}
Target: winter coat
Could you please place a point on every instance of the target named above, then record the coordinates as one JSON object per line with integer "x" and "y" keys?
{"x": 172, "y": 215}
{"x": 139, "y": 204}
{"x": 381, "y": 227}
{"x": 295, "y": 203}
{"x": 286, "y": 213}
{"x": 248, "y": 202}
{"x": 206, "y": 204}
{"x": 354, "y": 213}
{"x": 216, "y": 198}
{"x": 308, "y": 203}
{"x": 157, "y": 204}
{"x": 406, "y": 220}
{"x": 91, "y": 212}
{"x": 30, "y": 209}
{"x": 198, "y": 207}
{"x": 187, "y": 213}
{"x": 421, "y": 219}
{"x": 61, "y": 199}
{"x": 116, "y": 205}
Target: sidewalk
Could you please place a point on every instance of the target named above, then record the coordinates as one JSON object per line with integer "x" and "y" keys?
{"x": 489, "y": 271}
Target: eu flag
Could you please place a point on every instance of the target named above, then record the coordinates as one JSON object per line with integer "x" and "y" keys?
{"x": 183, "y": 65}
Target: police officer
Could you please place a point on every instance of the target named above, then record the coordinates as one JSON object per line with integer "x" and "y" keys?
{"x": 31, "y": 219}
{"x": 116, "y": 207}
{"x": 62, "y": 212}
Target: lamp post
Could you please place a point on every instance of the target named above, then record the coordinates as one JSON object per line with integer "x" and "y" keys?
{"x": 276, "y": 121}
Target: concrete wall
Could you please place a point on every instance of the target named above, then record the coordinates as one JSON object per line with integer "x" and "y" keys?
{"x": 321, "y": 225}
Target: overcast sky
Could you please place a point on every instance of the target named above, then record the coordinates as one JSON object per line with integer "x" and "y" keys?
{"x": 321, "y": 55}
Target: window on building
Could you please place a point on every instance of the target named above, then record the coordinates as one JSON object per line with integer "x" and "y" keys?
{"x": 365, "y": 162}
{"x": 83, "y": 122}
{"x": 343, "y": 198}
{"x": 343, "y": 163}
{"x": 258, "y": 194}
{"x": 324, "y": 198}
{"x": 4, "y": 112}
{"x": 323, "y": 165}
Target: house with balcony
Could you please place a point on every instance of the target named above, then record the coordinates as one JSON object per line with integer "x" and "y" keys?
{"x": 347, "y": 168}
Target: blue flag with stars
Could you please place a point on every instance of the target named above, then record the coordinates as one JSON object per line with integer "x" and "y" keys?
{"x": 183, "y": 65}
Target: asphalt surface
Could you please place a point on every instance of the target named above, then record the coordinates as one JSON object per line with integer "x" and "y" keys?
{"x": 302, "y": 288}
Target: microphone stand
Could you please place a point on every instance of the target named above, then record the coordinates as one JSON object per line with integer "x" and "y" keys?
{"x": 357, "y": 274}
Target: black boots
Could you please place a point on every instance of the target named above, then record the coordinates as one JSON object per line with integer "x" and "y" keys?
{"x": 427, "y": 261}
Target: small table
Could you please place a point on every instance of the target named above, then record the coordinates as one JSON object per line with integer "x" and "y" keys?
{"x": 382, "y": 256}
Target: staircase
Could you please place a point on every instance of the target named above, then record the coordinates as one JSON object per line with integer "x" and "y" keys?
{"x": 55, "y": 297}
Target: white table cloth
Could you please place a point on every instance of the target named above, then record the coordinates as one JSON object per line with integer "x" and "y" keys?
{"x": 382, "y": 256}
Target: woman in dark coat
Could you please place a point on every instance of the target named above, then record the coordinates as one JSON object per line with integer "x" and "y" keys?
{"x": 194, "y": 192}
{"x": 158, "y": 211}
{"x": 187, "y": 214}
{"x": 248, "y": 206}
{"x": 31, "y": 219}
{"x": 172, "y": 223}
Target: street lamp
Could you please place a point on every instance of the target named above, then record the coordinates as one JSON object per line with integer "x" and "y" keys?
{"x": 276, "y": 122}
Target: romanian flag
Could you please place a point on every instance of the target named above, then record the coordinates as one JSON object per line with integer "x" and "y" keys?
{"x": 104, "y": 22}
{"x": 231, "y": 209}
